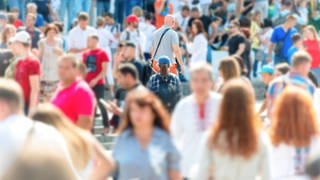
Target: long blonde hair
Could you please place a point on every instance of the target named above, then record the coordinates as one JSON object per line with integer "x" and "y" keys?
{"x": 78, "y": 146}
{"x": 314, "y": 32}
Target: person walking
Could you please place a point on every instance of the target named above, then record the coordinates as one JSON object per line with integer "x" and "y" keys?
{"x": 96, "y": 61}
{"x": 145, "y": 127}
{"x": 166, "y": 85}
{"x": 194, "y": 115}
{"x": 74, "y": 96}
{"x": 166, "y": 43}
{"x": 235, "y": 147}
{"x": 50, "y": 48}
{"x": 31, "y": 29}
{"x": 292, "y": 144}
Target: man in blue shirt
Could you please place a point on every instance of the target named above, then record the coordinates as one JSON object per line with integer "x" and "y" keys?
{"x": 281, "y": 40}
{"x": 297, "y": 45}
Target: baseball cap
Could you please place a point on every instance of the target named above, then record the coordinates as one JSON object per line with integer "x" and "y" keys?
{"x": 164, "y": 60}
{"x": 22, "y": 37}
{"x": 132, "y": 18}
{"x": 266, "y": 69}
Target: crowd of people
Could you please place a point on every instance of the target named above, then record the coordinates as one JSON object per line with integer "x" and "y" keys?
{"x": 133, "y": 67}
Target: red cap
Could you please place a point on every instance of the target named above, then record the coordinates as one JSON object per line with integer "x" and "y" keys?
{"x": 132, "y": 18}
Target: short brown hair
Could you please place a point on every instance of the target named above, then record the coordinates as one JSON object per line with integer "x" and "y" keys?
{"x": 300, "y": 57}
{"x": 296, "y": 37}
{"x": 291, "y": 17}
{"x": 50, "y": 27}
{"x": 83, "y": 16}
{"x": 230, "y": 68}
{"x": 11, "y": 93}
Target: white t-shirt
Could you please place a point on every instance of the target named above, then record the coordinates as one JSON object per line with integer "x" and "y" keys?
{"x": 13, "y": 133}
{"x": 187, "y": 128}
{"x": 198, "y": 49}
{"x": 287, "y": 161}
{"x": 78, "y": 37}
{"x": 136, "y": 37}
{"x": 147, "y": 30}
{"x": 266, "y": 38}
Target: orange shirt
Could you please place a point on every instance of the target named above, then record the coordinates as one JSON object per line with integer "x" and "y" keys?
{"x": 159, "y": 18}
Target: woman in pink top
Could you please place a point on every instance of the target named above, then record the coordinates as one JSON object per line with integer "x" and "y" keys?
{"x": 312, "y": 46}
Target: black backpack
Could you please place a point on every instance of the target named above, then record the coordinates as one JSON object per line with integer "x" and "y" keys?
{"x": 168, "y": 94}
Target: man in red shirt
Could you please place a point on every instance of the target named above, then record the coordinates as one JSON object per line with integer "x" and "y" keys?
{"x": 73, "y": 95}
{"x": 96, "y": 61}
{"x": 27, "y": 70}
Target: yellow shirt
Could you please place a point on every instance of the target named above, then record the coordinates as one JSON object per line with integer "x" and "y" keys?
{"x": 254, "y": 30}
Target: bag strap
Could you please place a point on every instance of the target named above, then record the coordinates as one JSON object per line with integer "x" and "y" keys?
{"x": 285, "y": 37}
{"x": 155, "y": 52}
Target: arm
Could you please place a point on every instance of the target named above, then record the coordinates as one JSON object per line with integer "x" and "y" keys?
{"x": 174, "y": 175}
{"x": 241, "y": 49}
{"x": 177, "y": 52}
{"x": 263, "y": 106}
{"x": 41, "y": 50}
{"x": 35, "y": 91}
{"x": 85, "y": 122}
{"x": 271, "y": 47}
{"x": 101, "y": 75}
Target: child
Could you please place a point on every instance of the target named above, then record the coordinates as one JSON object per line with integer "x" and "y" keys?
{"x": 267, "y": 76}
{"x": 297, "y": 45}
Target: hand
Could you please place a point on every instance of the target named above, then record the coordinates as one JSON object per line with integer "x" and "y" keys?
{"x": 93, "y": 83}
{"x": 115, "y": 109}
{"x": 182, "y": 69}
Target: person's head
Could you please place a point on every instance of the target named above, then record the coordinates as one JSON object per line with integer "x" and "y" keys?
{"x": 243, "y": 68}
{"x": 170, "y": 21}
{"x": 237, "y": 121}
{"x": 201, "y": 81}
{"x": 129, "y": 51}
{"x": 266, "y": 73}
{"x": 132, "y": 21}
{"x": 83, "y": 19}
{"x": 286, "y": 5}
{"x": 297, "y": 40}
{"x": 164, "y": 64}
{"x": 234, "y": 26}
{"x": 3, "y": 19}
{"x": 59, "y": 26}
{"x": 11, "y": 100}
{"x": 137, "y": 11}
{"x": 38, "y": 163}
{"x": 257, "y": 17}
{"x": 301, "y": 63}
{"x": 67, "y": 68}
{"x": 291, "y": 21}
{"x": 109, "y": 18}
{"x": 128, "y": 75}
{"x": 185, "y": 11}
{"x": 144, "y": 110}
{"x": 93, "y": 41}
{"x": 267, "y": 23}
{"x": 52, "y": 116}
{"x": 197, "y": 27}
{"x": 195, "y": 12}
{"x": 32, "y": 8}
{"x": 8, "y": 32}
{"x": 22, "y": 42}
{"x": 31, "y": 20}
{"x": 294, "y": 119}
{"x": 100, "y": 22}
{"x": 310, "y": 32}
{"x": 51, "y": 31}
{"x": 148, "y": 17}
{"x": 229, "y": 68}
{"x": 281, "y": 69}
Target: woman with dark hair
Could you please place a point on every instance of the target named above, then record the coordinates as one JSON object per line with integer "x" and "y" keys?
{"x": 144, "y": 131}
{"x": 199, "y": 47}
{"x": 50, "y": 48}
{"x": 294, "y": 133}
{"x": 235, "y": 147}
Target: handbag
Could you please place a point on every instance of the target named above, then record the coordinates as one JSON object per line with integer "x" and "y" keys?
{"x": 279, "y": 45}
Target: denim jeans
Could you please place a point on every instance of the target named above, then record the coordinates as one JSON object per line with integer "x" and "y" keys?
{"x": 99, "y": 91}
{"x": 103, "y": 7}
{"x": 69, "y": 6}
{"x": 120, "y": 7}
{"x": 256, "y": 64}
{"x": 83, "y": 6}
{"x": 21, "y": 5}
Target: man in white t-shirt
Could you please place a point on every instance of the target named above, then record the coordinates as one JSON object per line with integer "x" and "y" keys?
{"x": 133, "y": 34}
{"x": 78, "y": 36}
{"x": 193, "y": 115}
{"x": 183, "y": 17}
{"x": 18, "y": 132}
{"x": 148, "y": 29}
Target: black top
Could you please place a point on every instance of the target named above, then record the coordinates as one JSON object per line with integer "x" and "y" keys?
{"x": 234, "y": 43}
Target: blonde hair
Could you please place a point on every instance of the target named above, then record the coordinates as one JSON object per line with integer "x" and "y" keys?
{"x": 314, "y": 32}
{"x": 78, "y": 146}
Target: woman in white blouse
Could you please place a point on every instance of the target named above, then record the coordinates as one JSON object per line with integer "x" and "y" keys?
{"x": 235, "y": 147}
{"x": 294, "y": 133}
{"x": 198, "y": 48}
